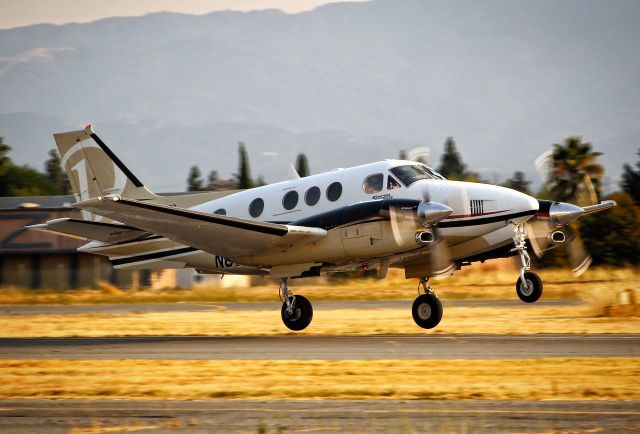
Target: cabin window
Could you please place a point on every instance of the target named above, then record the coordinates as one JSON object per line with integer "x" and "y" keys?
{"x": 334, "y": 191}
{"x": 392, "y": 183}
{"x": 373, "y": 183}
{"x": 220, "y": 211}
{"x": 312, "y": 196}
{"x": 256, "y": 207}
{"x": 290, "y": 200}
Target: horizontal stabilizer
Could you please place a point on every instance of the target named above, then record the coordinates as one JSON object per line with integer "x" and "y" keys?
{"x": 216, "y": 234}
{"x": 106, "y": 232}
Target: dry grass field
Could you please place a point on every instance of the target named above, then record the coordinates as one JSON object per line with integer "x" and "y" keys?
{"x": 561, "y": 379}
{"x": 481, "y": 281}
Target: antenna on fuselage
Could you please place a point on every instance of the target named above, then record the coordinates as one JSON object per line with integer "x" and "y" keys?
{"x": 293, "y": 173}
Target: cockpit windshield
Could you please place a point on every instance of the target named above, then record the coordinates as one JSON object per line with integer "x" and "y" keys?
{"x": 415, "y": 172}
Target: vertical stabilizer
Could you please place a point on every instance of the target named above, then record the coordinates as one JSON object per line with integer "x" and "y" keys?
{"x": 94, "y": 170}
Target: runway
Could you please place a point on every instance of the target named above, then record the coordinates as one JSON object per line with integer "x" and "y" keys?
{"x": 331, "y": 416}
{"x": 301, "y": 347}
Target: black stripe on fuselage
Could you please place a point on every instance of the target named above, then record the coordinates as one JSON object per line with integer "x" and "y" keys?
{"x": 483, "y": 220}
{"x": 116, "y": 160}
{"x": 209, "y": 218}
{"x": 155, "y": 255}
{"x": 366, "y": 211}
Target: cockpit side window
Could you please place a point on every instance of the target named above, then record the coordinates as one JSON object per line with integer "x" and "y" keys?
{"x": 392, "y": 184}
{"x": 411, "y": 173}
{"x": 433, "y": 173}
{"x": 373, "y": 183}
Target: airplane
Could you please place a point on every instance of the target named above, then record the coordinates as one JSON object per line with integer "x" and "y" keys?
{"x": 386, "y": 214}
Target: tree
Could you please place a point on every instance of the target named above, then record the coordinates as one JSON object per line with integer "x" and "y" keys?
{"x": 212, "y": 180}
{"x": 574, "y": 170}
{"x": 5, "y": 161}
{"x": 21, "y": 180}
{"x": 194, "y": 181}
{"x": 613, "y": 237}
{"x": 630, "y": 183}
{"x": 26, "y": 181}
{"x": 244, "y": 173}
{"x": 302, "y": 166}
{"x": 451, "y": 165}
{"x": 518, "y": 182}
{"x": 57, "y": 176}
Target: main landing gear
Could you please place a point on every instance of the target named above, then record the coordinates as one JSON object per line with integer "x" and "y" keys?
{"x": 427, "y": 309}
{"x": 529, "y": 284}
{"x": 296, "y": 311}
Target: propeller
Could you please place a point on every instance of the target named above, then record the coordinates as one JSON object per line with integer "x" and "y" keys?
{"x": 413, "y": 226}
{"x": 554, "y": 223}
{"x": 544, "y": 235}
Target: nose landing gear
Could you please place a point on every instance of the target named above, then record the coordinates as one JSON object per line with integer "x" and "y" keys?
{"x": 427, "y": 308}
{"x": 529, "y": 284}
{"x": 296, "y": 311}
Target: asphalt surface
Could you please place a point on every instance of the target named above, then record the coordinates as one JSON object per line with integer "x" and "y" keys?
{"x": 335, "y": 416}
{"x": 11, "y": 310}
{"x": 292, "y": 347}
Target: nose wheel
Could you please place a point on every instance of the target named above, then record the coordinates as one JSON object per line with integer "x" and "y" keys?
{"x": 529, "y": 284}
{"x": 427, "y": 308}
{"x": 296, "y": 311}
{"x": 529, "y": 290}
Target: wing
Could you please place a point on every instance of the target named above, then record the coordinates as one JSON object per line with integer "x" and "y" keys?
{"x": 220, "y": 235}
{"x": 107, "y": 232}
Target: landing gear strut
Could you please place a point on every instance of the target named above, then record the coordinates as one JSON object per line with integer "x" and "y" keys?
{"x": 529, "y": 284}
{"x": 296, "y": 311}
{"x": 427, "y": 309}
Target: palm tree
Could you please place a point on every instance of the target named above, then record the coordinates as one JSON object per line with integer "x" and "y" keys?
{"x": 575, "y": 171}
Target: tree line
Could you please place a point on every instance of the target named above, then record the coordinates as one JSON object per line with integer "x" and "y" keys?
{"x": 240, "y": 180}
{"x": 18, "y": 180}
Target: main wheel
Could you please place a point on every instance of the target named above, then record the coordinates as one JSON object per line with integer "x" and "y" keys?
{"x": 301, "y": 316}
{"x": 427, "y": 311}
{"x": 533, "y": 289}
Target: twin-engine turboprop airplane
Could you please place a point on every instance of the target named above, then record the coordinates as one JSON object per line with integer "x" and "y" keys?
{"x": 391, "y": 213}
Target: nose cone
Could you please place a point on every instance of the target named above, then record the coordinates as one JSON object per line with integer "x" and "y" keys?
{"x": 523, "y": 204}
{"x": 562, "y": 213}
{"x": 432, "y": 212}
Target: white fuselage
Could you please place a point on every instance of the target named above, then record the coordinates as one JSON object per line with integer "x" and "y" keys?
{"x": 480, "y": 221}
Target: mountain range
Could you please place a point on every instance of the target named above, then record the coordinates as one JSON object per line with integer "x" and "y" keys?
{"x": 346, "y": 83}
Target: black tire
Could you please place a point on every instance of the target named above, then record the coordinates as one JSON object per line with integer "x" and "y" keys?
{"x": 427, "y": 311}
{"x": 534, "y": 290}
{"x": 301, "y": 316}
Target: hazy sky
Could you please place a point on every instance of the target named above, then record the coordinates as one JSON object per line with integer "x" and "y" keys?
{"x": 15, "y": 13}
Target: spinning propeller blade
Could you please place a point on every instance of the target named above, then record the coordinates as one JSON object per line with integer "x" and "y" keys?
{"x": 406, "y": 223}
{"x": 579, "y": 257}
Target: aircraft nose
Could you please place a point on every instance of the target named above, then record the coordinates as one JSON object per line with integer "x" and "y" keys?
{"x": 520, "y": 203}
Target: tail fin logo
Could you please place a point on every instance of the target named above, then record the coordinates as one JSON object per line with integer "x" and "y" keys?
{"x": 92, "y": 173}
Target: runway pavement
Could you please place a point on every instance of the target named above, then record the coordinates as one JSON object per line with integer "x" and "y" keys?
{"x": 291, "y": 347}
{"x": 332, "y": 416}
{"x": 12, "y": 310}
